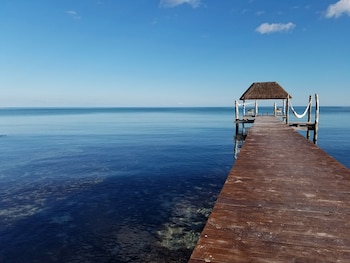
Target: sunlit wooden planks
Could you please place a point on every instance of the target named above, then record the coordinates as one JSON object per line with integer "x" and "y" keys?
{"x": 285, "y": 200}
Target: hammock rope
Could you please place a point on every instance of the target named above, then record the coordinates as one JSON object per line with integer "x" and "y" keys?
{"x": 299, "y": 116}
{"x": 247, "y": 103}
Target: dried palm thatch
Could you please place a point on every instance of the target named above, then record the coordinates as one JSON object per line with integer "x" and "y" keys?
{"x": 265, "y": 91}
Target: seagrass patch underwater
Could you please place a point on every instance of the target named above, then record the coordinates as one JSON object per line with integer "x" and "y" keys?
{"x": 109, "y": 185}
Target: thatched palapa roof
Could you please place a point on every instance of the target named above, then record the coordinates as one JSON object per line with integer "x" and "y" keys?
{"x": 265, "y": 91}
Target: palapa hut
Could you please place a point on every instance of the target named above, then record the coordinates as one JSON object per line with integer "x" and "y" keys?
{"x": 273, "y": 91}
{"x": 265, "y": 91}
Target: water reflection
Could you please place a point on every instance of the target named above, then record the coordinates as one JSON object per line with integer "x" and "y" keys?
{"x": 242, "y": 129}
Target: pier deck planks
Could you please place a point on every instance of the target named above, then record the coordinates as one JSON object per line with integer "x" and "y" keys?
{"x": 285, "y": 200}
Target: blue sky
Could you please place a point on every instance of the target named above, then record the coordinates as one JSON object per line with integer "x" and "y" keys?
{"x": 171, "y": 52}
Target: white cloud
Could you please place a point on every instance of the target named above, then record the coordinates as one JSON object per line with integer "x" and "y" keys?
{"x": 173, "y": 3}
{"x": 260, "y": 13}
{"x": 339, "y": 8}
{"x": 267, "y": 28}
{"x": 73, "y": 14}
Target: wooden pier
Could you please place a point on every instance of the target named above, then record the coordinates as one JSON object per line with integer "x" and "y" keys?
{"x": 285, "y": 200}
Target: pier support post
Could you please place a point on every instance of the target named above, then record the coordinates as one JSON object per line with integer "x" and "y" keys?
{"x": 317, "y": 114}
{"x": 243, "y": 108}
{"x": 237, "y": 111}
{"x": 309, "y": 117}
{"x": 237, "y": 117}
{"x": 287, "y": 110}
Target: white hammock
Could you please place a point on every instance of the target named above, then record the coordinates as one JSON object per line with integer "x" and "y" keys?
{"x": 299, "y": 116}
{"x": 247, "y": 103}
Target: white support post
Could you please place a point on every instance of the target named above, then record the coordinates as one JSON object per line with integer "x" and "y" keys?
{"x": 309, "y": 117}
{"x": 237, "y": 111}
{"x": 243, "y": 108}
{"x": 287, "y": 110}
{"x": 317, "y": 114}
{"x": 310, "y": 109}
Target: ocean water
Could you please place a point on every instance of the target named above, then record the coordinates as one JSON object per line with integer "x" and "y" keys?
{"x": 119, "y": 184}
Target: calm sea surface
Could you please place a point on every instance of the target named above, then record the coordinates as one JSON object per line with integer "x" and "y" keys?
{"x": 119, "y": 185}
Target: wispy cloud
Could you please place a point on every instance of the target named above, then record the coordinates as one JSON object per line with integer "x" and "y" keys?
{"x": 339, "y": 8}
{"x": 73, "y": 14}
{"x": 260, "y": 13}
{"x": 267, "y": 28}
{"x": 174, "y": 3}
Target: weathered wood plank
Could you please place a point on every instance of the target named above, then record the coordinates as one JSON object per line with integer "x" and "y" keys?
{"x": 285, "y": 200}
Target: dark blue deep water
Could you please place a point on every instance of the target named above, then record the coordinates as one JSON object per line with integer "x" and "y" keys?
{"x": 119, "y": 185}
